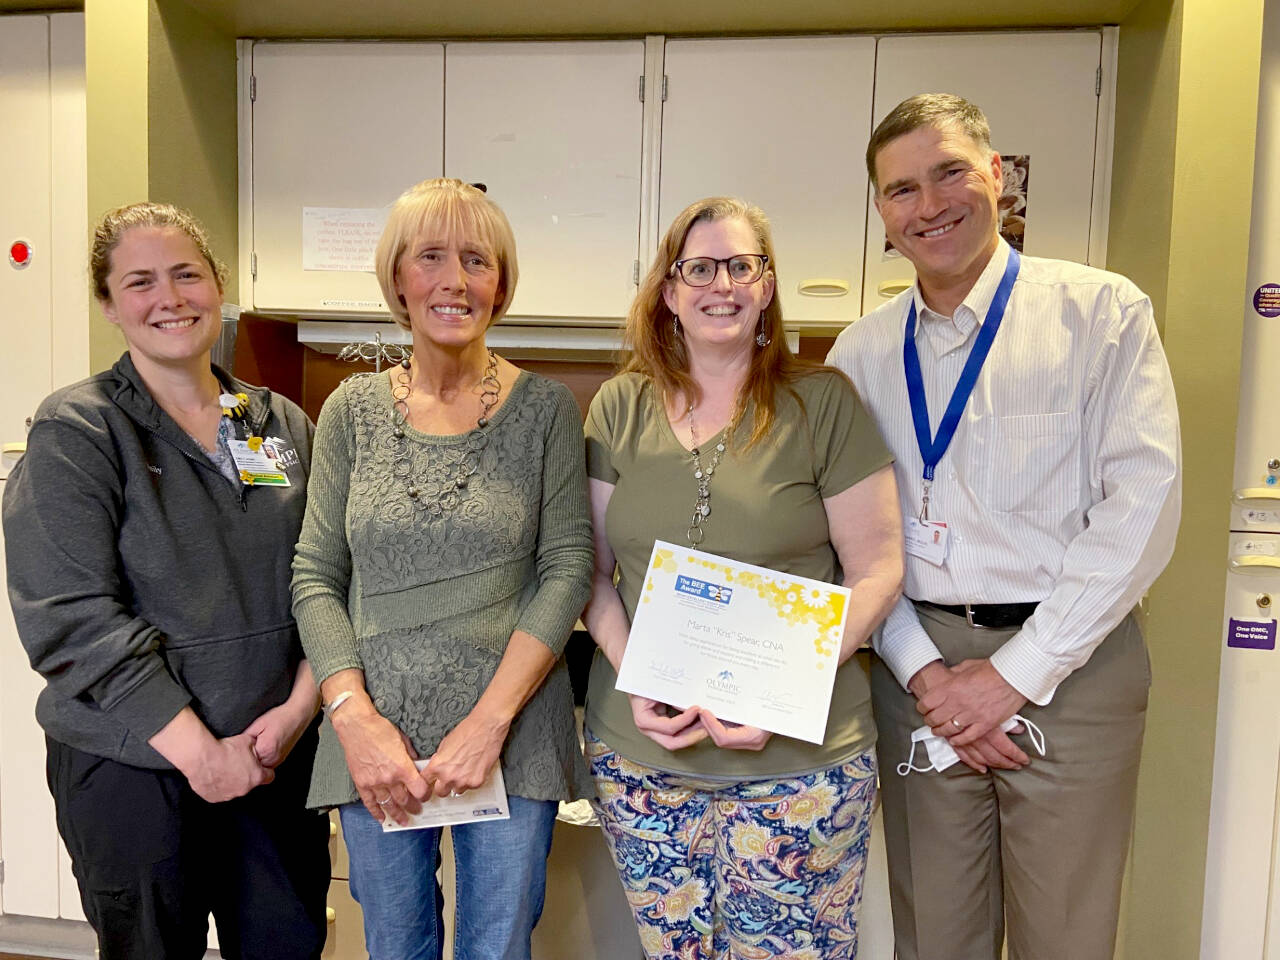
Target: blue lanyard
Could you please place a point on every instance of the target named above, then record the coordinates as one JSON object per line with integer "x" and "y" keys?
{"x": 932, "y": 448}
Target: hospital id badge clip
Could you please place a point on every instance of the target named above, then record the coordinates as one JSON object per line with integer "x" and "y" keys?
{"x": 926, "y": 539}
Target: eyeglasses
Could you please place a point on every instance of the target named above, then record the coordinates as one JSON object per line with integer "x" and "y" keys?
{"x": 743, "y": 268}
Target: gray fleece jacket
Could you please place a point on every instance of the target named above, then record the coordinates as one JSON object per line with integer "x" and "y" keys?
{"x": 141, "y": 578}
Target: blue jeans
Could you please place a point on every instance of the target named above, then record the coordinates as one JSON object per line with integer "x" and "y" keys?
{"x": 501, "y": 879}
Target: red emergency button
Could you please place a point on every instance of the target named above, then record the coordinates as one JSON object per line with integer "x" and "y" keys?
{"x": 20, "y": 254}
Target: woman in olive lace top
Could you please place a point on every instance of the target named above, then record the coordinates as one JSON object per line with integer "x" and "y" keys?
{"x": 444, "y": 558}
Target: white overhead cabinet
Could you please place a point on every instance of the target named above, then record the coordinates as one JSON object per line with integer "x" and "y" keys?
{"x": 1041, "y": 94}
{"x": 590, "y": 175}
{"x": 783, "y": 123}
{"x": 339, "y": 131}
{"x": 553, "y": 130}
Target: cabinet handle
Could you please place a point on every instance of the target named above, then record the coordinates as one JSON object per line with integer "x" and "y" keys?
{"x": 823, "y": 287}
{"x": 891, "y": 288}
{"x": 15, "y": 449}
{"x": 1256, "y": 561}
{"x": 330, "y": 915}
{"x": 333, "y": 829}
{"x": 1256, "y": 493}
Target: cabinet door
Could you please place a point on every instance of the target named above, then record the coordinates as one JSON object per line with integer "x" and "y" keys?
{"x": 782, "y": 123}
{"x": 339, "y": 131}
{"x": 1039, "y": 92}
{"x": 553, "y": 130}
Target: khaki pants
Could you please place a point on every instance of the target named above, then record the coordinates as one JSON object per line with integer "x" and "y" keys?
{"x": 1044, "y": 846}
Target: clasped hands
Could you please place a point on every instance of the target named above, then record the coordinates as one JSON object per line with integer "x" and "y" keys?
{"x": 381, "y": 759}
{"x": 967, "y": 704}
{"x": 684, "y": 729}
{"x": 223, "y": 768}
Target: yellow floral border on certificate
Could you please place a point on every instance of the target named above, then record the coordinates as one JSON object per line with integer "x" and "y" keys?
{"x": 795, "y": 604}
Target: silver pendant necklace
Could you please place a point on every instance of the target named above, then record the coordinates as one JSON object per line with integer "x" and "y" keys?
{"x": 702, "y": 475}
{"x": 444, "y": 484}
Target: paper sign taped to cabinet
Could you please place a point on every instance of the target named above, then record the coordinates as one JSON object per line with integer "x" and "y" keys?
{"x": 341, "y": 238}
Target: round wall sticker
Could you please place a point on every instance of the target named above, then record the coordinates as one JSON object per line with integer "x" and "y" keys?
{"x": 1266, "y": 300}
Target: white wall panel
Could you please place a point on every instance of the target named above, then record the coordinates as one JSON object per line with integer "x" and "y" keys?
{"x": 28, "y": 838}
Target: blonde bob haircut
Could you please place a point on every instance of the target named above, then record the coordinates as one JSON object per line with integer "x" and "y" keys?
{"x": 658, "y": 349}
{"x": 446, "y": 208}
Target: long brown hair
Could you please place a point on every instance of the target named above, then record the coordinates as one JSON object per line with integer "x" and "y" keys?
{"x": 658, "y": 350}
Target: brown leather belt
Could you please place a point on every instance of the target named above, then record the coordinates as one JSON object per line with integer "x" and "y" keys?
{"x": 997, "y": 616}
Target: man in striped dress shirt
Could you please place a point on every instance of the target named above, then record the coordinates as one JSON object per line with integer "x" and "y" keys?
{"x": 1030, "y": 408}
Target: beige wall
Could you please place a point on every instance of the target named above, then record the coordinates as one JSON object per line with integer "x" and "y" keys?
{"x": 161, "y": 102}
{"x": 192, "y": 151}
{"x": 117, "y": 121}
{"x": 1185, "y": 124}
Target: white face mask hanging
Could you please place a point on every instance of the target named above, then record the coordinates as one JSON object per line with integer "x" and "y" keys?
{"x": 943, "y": 755}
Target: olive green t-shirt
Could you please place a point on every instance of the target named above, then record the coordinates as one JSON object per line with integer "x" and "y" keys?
{"x": 766, "y": 509}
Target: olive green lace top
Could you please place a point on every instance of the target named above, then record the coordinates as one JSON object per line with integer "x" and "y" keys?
{"x": 424, "y": 598}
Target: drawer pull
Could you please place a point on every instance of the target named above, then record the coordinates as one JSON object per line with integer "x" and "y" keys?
{"x": 891, "y": 288}
{"x": 824, "y": 287}
{"x": 1253, "y": 561}
{"x": 1256, "y": 493}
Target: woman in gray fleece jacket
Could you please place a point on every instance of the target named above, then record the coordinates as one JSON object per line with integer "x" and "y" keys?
{"x": 148, "y": 545}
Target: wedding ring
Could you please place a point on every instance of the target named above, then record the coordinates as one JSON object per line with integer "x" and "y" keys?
{"x": 383, "y": 803}
{"x": 454, "y": 793}
{"x": 957, "y": 724}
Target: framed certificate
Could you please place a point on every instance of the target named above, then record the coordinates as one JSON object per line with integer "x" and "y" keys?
{"x": 750, "y": 644}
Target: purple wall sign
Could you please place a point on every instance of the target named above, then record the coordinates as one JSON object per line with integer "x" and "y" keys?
{"x": 1266, "y": 300}
{"x": 1251, "y": 634}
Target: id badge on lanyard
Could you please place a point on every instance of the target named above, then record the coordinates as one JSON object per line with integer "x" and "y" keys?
{"x": 927, "y": 538}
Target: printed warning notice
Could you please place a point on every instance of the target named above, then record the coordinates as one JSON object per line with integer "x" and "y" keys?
{"x": 340, "y": 238}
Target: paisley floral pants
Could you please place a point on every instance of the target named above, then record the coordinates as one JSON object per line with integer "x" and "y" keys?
{"x": 739, "y": 870}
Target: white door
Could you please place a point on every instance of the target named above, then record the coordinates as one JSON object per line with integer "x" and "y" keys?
{"x": 339, "y": 131}
{"x": 1040, "y": 94}
{"x": 781, "y": 122}
{"x": 554, "y": 131}
{"x": 43, "y": 168}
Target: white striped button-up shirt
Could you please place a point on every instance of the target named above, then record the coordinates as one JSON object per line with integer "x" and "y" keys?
{"x": 1062, "y": 484}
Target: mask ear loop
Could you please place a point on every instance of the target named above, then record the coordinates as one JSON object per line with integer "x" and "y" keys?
{"x": 1034, "y": 732}
{"x": 906, "y": 768}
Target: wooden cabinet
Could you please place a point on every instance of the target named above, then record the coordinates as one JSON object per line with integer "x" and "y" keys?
{"x": 781, "y": 122}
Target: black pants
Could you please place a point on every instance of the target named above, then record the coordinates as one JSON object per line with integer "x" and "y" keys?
{"x": 153, "y": 859}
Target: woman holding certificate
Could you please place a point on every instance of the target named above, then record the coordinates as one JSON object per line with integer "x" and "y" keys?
{"x": 731, "y": 841}
{"x": 443, "y": 561}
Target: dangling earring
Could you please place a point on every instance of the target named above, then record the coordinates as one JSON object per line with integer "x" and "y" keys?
{"x": 763, "y": 339}
{"x": 675, "y": 326}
